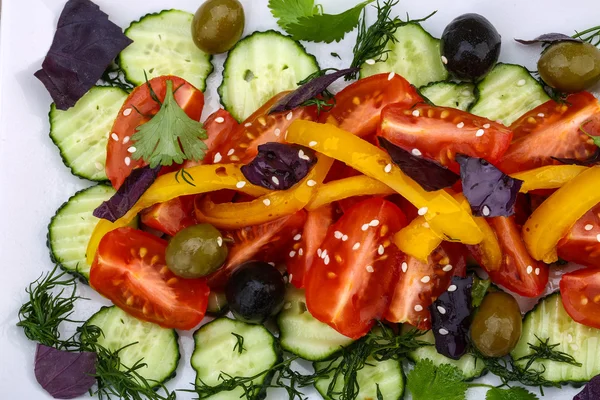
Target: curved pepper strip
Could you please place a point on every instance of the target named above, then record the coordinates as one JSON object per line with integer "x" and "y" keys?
{"x": 417, "y": 239}
{"x": 199, "y": 179}
{"x": 280, "y": 202}
{"x": 553, "y": 218}
{"x": 341, "y": 189}
{"x": 549, "y": 177}
{"x": 444, "y": 214}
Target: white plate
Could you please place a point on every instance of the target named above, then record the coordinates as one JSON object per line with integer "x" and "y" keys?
{"x": 34, "y": 182}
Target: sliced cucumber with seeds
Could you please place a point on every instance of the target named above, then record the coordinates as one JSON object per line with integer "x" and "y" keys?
{"x": 415, "y": 56}
{"x": 549, "y": 320}
{"x": 259, "y": 67}
{"x": 304, "y": 335}
{"x": 157, "y": 347}
{"x": 71, "y": 227}
{"x": 217, "y": 351}
{"x": 449, "y": 94}
{"x": 506, "y": 93}
{"x": 163, "y": 45}
{"x": 82, "y": 131}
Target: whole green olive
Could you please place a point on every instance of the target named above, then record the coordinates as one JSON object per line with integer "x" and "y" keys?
{"x": 496, "y": 327}
{"x": 196, "y": 251}
{"x": 570, "y": 67}
{"x": 218, "y": 25}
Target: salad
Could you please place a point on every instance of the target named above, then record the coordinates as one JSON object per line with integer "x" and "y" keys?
{"x": 385, "y": 232}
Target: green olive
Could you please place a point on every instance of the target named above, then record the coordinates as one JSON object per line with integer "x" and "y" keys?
{"x": 196, "y": 251}
{"x": 570, "y": 67}
{"x": 218, "y": 25}
{"x": 496, "y": 327}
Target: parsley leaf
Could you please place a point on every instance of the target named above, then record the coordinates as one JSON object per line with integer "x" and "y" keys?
{"x": 288, "y": 11}
{"x": 170, "y": 136}
{"x": 444, "y": 382}
{"x": 514, "y": 393}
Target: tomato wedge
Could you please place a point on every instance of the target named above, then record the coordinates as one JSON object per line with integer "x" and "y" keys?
{"x": 420, "y": 283}
{"x": 519, "y": 272}
{"x": 263, "y": 242}
{"x": 439, "y": 133}
{"x": 581, "y": 244}
{"x": 130, "y": 270}
{"x": 358, "y": 106}
{"x": 138, "y": 108}
{"x": 553, "y": 130}
{"x": 580, "y": 294}
{"x": 219, "y": 126}
{"x": 348, "y": 284}
{"x": 172, "y": 216}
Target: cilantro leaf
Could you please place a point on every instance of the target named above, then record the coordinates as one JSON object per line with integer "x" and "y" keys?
{"x": 514, "y": 393}
{"x": 170, "y": 136}
{"x": 480, "y": 288}
{"x": 288, "y": 11}
{"x": 429, "y": 382}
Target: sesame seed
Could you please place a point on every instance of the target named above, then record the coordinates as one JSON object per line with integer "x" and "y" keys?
{"x": 277, "y": 132}
{"x": 443, "y": 331}
{"x": 319, "y": 252}
{"x": 125, "y": 139}
{"x": 452, "y": 288}
{"x": 370, "y": 61}
{"x": 370, "y": 268}
{"x": 127, "y": 111}
{"x": 485, "y": 211}
{"x": 380, "y": 249}
{"x": 444, "y": 60}
{"x": 338, "y": 234}
{"x": 289, "y": 116}
{"x": 418, "y": 308}
{"x": 131, "y": 149}
{"x": 344, "y": 238}
{"x": 240, "y": 184}
{"x": 541, "y": 115}
{"x": 217, "y": 158}
{"x": 324, "y": 254}
{"x": 598, "y": 237}
{"x": 248, "y": 124}
{"x": 529, "y": 269}
{"x": 300, "y": 251}
{"x": 127, "y": 161}
{"x": 479, "y": 133}
{"x": 219, "y": 120}
{"x": 404, "y": 267}
{"x": 374, "y": 222}
{"x": 416, "y": 152}
{"x": 425, "y": 279}
{"x": 356, "y": 246}
{"x": 589, "y": 227}
{"x": 114, "y": 136}
{"x": 287, "y": 305}
{"x": 220, "y": 241}
{"x": 311, "y": 183}
{"x": 275, "y": 180}
{"x": 298, "y": 237}
{"x": 267, "y": 202}
{"x": 441, "y": 310}
{"x": 303, "y": 156}
{"x": 460, "y": 125}
{"x": 521, "y": 82}
{"x": 422, "y": 211}
{"x": 364, "y": 227}
{"x": 292, "y": 253}
{"x": 537, "y": 271}
{"x": 447, "y": 268}
{"x": 391, "y": 76}
{"x": 99, "y": 166}
{"x": 230, "y": 152}
{"x": 312, "y": 143}
{"x": 388, "y": 168}
{"x": 416, "y": 113}
{"x": 326, "y": 260}
{"x": 486, "y": 126}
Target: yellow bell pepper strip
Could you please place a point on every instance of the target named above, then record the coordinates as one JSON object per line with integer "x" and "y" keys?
{"x": 549, "y": 177}
{"x": 272, "y": 206}
{"x": 417, "y": 239}
{"x": 195, "y": 180}
{"x": 340, "y": 189}
{"x": 445, "y": 216}
{"x": 553, "y": 218}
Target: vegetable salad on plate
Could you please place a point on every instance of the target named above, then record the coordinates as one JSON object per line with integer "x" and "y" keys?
{"x": 387, "y": 232}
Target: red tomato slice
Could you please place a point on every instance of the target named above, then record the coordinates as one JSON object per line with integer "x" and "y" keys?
{"x": 439, "y": 133}
{"x": 519, "y": 272}
{"x": 304, "y": 250}
{"x": 219, "y": 126}
{"x": 420, "y": 283}
{"x": 172, "y": 216}
{"x": 348, "y": 284}
{"x": 138, "y": 109}
{"x": 358, "y": 106}
{"x": 130, "y": 270}
{"x": 553, "y": 130}
{"x": 580, "y": 294}
{"x": 261, "y": 242}
{"x": 581, "y": 245}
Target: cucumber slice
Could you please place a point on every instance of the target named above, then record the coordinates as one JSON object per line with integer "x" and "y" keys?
{"x": 468, "y": 365}
{"x": 302, "y": 334}
{"x": 415, "y": 56}
{"x": 163, "y": 45}
{"x": 550, "y": 320}
{"x": 260, "y": 66}
{"x": 385, "y": 374}
{"x": 156, "y": 346}
{"x": 70, "y": 229}
{"x": 216, "y": 352}
{"x": 450, "y": 94}
{"x": 81, "y": 132}
{"x": 506, "y": 93}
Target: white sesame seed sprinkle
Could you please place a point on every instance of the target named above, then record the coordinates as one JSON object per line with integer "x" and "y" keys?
{"x": 541, "y": 115}
{"x": 312, "y": 143}
{"x": 356, "y": 246}
{"x": 467, "y": 92}
{"x": 217, "y": 158}
{"x": 292, "y": 253}
{"x": 391, "y": 76}
{"x": 447, "y": 268}
{"x": 127, "y": 161}
{"x": 303, "y": 156}
{"x": 370, "y": 61}
{"x": 114, "y": 136}
{"x": 441, "y": 310}
{"x": 267, "y": 202}
{"x": 240, "y": 184}
{"x": 537, "y": 271}
{"x": 416, "y": 152}
{"x": 404, "y": 267}
{"x": 364, "y": 227}
{"x": 485, "y": 211}
{"x": 319, "y": 252}
{"x": 370, "y": 268}
{"x": 338, "y": 234}
{"x": 230, "y": 152}
{"x": 486, "y": 126}
{"x": 374, "y": 222}
{"x": 248, "y": 124}
{"x": 452, "y": 288}
{"x": 300, "y": 251}
{"x": 344, "y": 238}
{"x": 425, "y": 279}
{"x": 422, "y": 211}
{"x": 529, "y": 269}
{"x": 598, "y": 237}
{"x": 220, "y": 241}
{"x": 521, "y": 82}
{"x": 298, "y": 237}
{"x": 324, "y": 254}
{"x": 418, "y": 308}
{"x": 479, "y": 132}
{"x": 444, "y": 60}
{"x": 380, "y": 250}
{"x": 326, "y": 260}
{"x": 460, "y": 125}
{"x": 388, "y": 168}
{"x": 443, "y": 331}
{"x": 275, "y": 180}
{"x": 277, "y": 132}
{"x": 131, "y": 149}
{"x": 127, "y": 111}
{"x": 126, "y": 139}
{"x": 219, "y": 120}
{"x": 416, "y": 113}
{"x": 589, "y": 227}
{"x": 311, "y": 183}
{"x": 99, "y": 166}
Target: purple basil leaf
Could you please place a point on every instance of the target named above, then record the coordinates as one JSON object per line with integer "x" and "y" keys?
{"x": 490, "y": 192}
{"x": 64, "y": 374}
{"x": 549, "y": 38}
{"x": 591, "y": 160}
{"x": 450, "y": 318}
{"x": 84, "y": 45}
{"x": 429, "y": 174}
{"x": 309, "y": 90}
{"x": 138, "y": 181}
{"x": 279, "y": 166}
{"x": 591, "y": 391}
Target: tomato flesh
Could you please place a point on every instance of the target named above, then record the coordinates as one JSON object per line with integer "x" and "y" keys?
{"x": 172, "y": 216}
{"x": 130, "y": 270}
{"x": 219, "y": 126}
{"x": 348, "y": 284}
{"x": 580, "y": 245}
{"x": 580, "y": 294}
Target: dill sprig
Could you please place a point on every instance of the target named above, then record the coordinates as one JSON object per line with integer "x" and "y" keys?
{"x": 591, "y": 36}
{"x": 184, "y": 176}
{"x": 545, "y": 351}
{"x": 114, "y": 76}
{"x": 239, "y": 345}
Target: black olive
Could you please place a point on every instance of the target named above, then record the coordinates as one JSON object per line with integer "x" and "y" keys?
{"x": 255, "y": 292}
{"x": 470, "y": 47}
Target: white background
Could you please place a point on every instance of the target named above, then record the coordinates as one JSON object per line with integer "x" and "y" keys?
{"x": 34, "y": 182}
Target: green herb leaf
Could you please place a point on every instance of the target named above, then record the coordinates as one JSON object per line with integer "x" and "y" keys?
{"x": 514, "y": 393}
{"x": 428, "y": 382}
{"x": 545, "y": 351}
{"x": 288, "y": 11}
{"x": 239, "y": 345}
{"x": 170, "y": 136}
{"x": 479, "y": 290}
